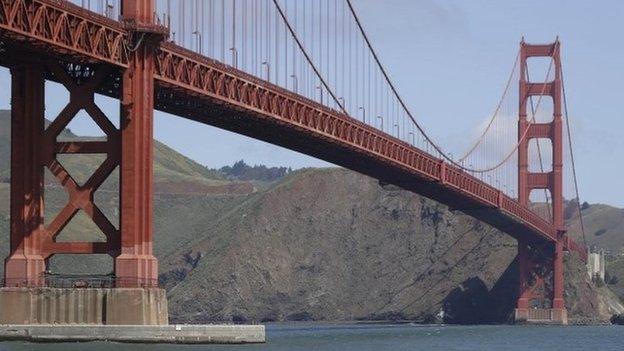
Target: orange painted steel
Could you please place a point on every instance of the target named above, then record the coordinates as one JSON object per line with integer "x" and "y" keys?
{"x": 65, "y": 28}
{"x": 81, "y": 197}
{"x": 35, "y": 149}
{"x": 136, "y": 261}
{"x": 178, "y": 81}
{"x": 552, "y": 181}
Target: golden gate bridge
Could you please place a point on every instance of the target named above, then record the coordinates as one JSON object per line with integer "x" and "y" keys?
{"x": 299, "y": 74}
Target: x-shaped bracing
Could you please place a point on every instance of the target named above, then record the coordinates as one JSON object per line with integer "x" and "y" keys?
{"x": 81, "y": 197}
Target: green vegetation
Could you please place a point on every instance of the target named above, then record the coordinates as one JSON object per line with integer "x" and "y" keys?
{"x": 241, "y": 171}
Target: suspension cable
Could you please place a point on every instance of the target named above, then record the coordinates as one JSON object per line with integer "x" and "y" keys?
{"x": 307, "y": 57}
{"x": 495, "y": 114}
{"x": 390, "y": 84}
{"x": 576, "y": 188}
{"x": 411, "y": 116}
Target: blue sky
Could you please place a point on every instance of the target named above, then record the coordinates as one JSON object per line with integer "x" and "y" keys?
{"x": 450, "y": 60}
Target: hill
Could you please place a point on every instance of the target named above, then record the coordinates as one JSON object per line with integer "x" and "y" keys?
{"x": 604, "y": 227}
{"x": 315, "y": 244}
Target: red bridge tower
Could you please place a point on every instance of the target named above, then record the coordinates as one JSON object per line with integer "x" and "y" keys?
{"x": 538, "y": 262}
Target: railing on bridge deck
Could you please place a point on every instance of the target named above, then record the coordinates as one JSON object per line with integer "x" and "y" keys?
{"x": 80, "y": 282}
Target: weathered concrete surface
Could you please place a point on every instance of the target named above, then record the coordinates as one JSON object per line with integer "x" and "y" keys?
{"x": 127, "y": 306}
{"x": 119, "y": 306}
{"x": 541, "y": 316}
{"x": 183, "y": 334}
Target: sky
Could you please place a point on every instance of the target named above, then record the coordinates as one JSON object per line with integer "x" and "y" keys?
{"x": 449, "y": 60}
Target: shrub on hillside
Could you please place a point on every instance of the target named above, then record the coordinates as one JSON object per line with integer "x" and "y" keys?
{"x": 241, "y": 171}
{"x": 600, "y": 232}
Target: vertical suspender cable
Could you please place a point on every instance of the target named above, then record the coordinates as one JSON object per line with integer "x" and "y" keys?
{"x": 203, "y": 21}
{"x": 327, "y": 69}
{"x": 276, "y": 69}
{"x": 196, "y": 29}
{"x": 222, "y": 26}
{"x": 307, "y": 57}
{"x": 342, "y": 47}
{"x": 233, "y": 48}
{"x": 243, "y": 49}
{"x": 294, "y": 52}
{"x": 211, "y": 8}
{"x": 320, "y": 43}
{"x": 336, "y": 44}
{"x": 286, "y": 50}
{"x": 569, "y": 132}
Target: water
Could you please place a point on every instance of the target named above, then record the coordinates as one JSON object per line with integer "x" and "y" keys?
{"x": 347, "y": 337}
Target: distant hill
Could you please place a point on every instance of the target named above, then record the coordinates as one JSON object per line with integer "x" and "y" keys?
{"x": 604, "y": 226}
{"x": 315, "y": 244}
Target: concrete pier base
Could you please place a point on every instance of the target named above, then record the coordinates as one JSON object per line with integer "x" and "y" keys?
{"x": 91, "y": 306}
{"x": 557, "y": 316}
{"x": 179, "y": 334}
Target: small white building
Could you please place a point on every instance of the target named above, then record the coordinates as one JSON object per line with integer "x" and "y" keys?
{"x": 596, "y": 264}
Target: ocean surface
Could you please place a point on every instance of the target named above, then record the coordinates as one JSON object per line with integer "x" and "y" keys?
{"x": 348, "y": 337}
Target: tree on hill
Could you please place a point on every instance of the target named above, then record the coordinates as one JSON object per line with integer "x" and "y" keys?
{"x": 242, "y": 171}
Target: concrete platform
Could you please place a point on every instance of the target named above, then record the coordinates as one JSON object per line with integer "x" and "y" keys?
{"x": 178, "y": 334}
{"x": 541, "y": 316}
{"x": 93, "y": 306}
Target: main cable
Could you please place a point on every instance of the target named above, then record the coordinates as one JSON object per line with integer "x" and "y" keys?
{"x": 495, "y": 114}
{"x": 411, "y": 116}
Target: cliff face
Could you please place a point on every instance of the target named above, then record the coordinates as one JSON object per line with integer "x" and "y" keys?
{"x": 321, "y": 244}
{"x": 333, "y": 245}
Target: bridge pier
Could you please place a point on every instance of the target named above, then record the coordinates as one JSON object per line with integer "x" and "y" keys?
{"x": 133, "y": 296}
{"x": 540, "y": 284}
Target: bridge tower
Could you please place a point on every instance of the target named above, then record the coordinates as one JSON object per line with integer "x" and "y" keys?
{"x": 538, "y": 262}
{"x": 136, "y": 262}
{"x": 30, "y": 295}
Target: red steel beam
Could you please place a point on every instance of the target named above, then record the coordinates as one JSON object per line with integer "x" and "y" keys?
{"x": 26, "y": 261}
{"x": 81, "y": 197}
{"x": 69, "y": 29}
{"x": 136, "y": 262}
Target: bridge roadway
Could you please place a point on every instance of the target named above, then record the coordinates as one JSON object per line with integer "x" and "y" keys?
{"x": 204, "y": 90}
